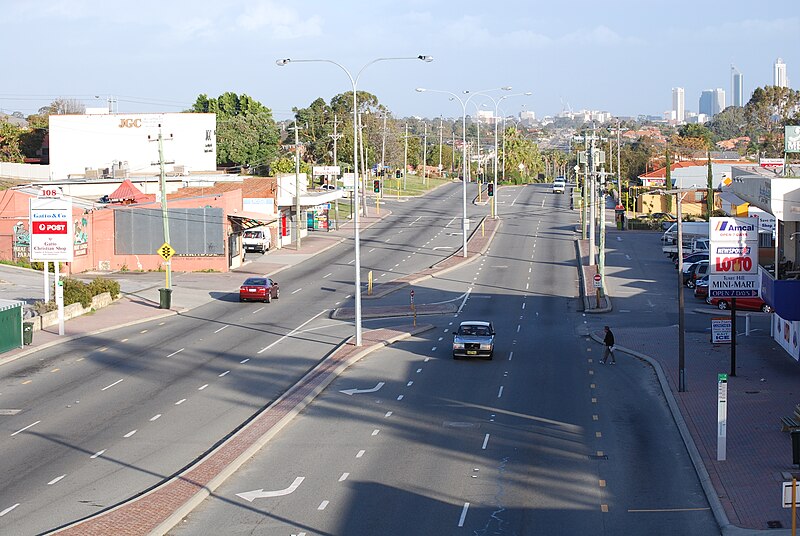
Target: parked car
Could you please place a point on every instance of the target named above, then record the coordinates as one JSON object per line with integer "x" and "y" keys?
{"x": 259, "y": 289}
{"x": 691, "y": 259}
{"x": 256, "y": 240}
{"x": 474, "y": 338}
{"x": 701, "y": 288}
{"x": 694, "y": 272}
{"x": 749, "y": 304}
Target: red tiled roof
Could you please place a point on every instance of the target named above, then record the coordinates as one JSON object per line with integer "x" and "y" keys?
{"x": 662, "y": 173}
{"x": 254, "y": 187}
{"x": 128, "y": 192}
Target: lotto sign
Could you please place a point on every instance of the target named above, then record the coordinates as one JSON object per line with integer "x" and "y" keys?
{"x": 51, "y": 229}
{"x": 733, "y": 259}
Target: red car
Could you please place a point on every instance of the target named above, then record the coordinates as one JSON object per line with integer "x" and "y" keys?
{"x": 259, "y": 288}
{"x": 749, "y": 304}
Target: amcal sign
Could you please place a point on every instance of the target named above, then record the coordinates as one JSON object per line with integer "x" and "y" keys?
{"x": 734, "y": 229}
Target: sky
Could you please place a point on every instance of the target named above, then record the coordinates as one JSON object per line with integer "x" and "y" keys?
{"x": 620, "y": 56}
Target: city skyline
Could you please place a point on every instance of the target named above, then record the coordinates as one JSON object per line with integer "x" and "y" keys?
{"x": 158, "y": 57}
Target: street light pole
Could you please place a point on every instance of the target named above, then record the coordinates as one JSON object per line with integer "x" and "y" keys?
{"x": 356, "y": 236}
{"x": 465, "y": 178}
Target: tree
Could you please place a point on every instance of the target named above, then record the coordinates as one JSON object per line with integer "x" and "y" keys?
{"x": 769, "y": 109}
{"x": 730, "y": 123}
{"x": 709, "y": 190}
{"x": 523, "y": 159}
{"x": 9, "y": 143}
{"x": 246, "y": 132}
{"x": 62, "y": 106}
{"x": 696, "y": 131}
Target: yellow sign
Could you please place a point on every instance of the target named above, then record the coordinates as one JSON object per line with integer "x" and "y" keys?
{"x": 166, "y": 251}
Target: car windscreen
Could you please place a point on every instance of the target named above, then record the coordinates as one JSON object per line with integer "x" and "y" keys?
{"x": 252, "y": 234}
{"x": 474, "y": 331}
{"x": 255, "y": 281}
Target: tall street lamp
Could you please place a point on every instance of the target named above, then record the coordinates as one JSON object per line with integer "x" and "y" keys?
{"x": 464, "y": 102}
{"x": 356, "y": 237}
{"x": 496, "y": 103}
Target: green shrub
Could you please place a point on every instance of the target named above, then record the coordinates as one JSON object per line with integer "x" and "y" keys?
{"x": 101, "y": 284}
{"x": 76, "y": 291}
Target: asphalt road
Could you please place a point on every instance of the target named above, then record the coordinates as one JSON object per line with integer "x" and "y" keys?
{"x": 94, "y": 421}
{"x": 540, "y": 440}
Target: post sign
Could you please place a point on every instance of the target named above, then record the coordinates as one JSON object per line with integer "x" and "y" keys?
{"x": 733, "y": 257}
{"x": 51, "y": 236}
{"x": 721, "y": 330}
{"x": 791, "y": 137}
{"x": 598, "y": 281}
{"x": 722, "y": 416}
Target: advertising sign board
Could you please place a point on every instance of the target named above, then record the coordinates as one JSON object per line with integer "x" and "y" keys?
{"x": 733, "y": 259}
{"x": 771, "y": 163}
{"x": 738, "y": 230}
{"x": 733, "y": 286}
{"x": 326, "y": 170}
{"x": 51, "y": 230}
{"x": 791, "y": 137}
{"x": 721, "y": 330}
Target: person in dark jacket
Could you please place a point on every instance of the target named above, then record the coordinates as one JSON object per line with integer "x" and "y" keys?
{"x": 609, "y": 342}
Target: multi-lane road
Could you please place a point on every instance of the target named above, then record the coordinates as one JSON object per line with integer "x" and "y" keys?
{"x": 540, "y": 440}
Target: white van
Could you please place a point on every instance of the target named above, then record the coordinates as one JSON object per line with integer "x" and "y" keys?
{"x": 559, "y": 185}
{"x": 256, "y": 240}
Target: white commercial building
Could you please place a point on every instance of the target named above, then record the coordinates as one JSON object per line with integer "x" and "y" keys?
{"x": 121, "y": 145}
{"x": 779, "y": 77}
{"x": 678, "y": 104}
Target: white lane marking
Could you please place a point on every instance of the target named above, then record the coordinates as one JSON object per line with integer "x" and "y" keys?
{"x": 370, "y": 251}
{"x": 419, "y": 370}
{"x": 466, "y": 297}
{"x": 526, "y": 286}
{"x": 523, "y": 306}
{"x": 510, "y": 355}
{"x": 243, "y": 361}
{"x": 441, "y": 338}
{"x": 225, "y": 373}
{"x": 399, "y": 397}
{"x": 143, "y": 331}
{"x": 155, "y": 417}
{"x": 223, "y": 327}
{"x": 518, "y": 327}
{"x": 176, "y": 352}
{"x": 323, "y": 505}
{"x": 202, "y": 387}
{"x": 129, "y": 434}
{"x": 388, "y": 414}
{"x": 485, "y": 442}
{"x": 360, "y": 453}
{"x": 500, "y": 392}
{"x": 376, "y": 432}
{"x": 112, "y": 385}
{"x": 296, "y": 291}
{"x": 466, "y": 506}
{"x": 56, "y": 479}
{"x": 181, "y": 401}
{"x": 352, "y": 261}
{"x": 7, "y": 510}
{"x": 388, "y": 239}
{"x": 259, "y": 309}
{"x": 23, "y": 429}
{"x": 124, "y": 340}
{"x": 433, "y": 349}
{"x": 261, "y": 494}
{"x": 409, "y": 384}
{"x": 295, "y": 330}
{"x": 327, "y": 275}
{"x": 427, "y": 359}
{"x": 343, "y": 477}
{"x": 542, "y": 203}
{"x": 97, "y": 454}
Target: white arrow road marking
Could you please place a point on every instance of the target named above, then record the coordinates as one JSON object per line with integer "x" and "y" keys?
{"x": 250, "y": 496}
{"x": 362, "y": 391}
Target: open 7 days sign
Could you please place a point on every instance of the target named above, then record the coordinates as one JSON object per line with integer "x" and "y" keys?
{"x": 51, "y": 230}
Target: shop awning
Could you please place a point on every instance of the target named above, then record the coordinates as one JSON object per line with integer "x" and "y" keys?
{"x": 247, "y": 220}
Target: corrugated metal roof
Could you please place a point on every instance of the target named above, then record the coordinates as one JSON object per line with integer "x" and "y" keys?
{"x": 10, "y": 304}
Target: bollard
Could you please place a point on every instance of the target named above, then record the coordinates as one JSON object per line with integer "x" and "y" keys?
{"x": 795, "y": 434}
{"x": 747, "y": 325}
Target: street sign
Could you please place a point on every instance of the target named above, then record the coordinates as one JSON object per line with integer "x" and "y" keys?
{"x": 165, "y": 251}
{"x": 722, "y": 416}
{"x": 51, "y": 236}
{"x": 721, "y": 330}
{"x": 733, "y": 286}
{"x": 787, "y": 495}
{"x": 771, "y": 163}
{"x": 598, "y": 281}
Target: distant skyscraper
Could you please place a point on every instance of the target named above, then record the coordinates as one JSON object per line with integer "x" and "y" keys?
{"x": 737, "y": 86}
{"x": 678, "y": 104}
{"x": 779, "y": 74}
{"x": 712, "y": 102}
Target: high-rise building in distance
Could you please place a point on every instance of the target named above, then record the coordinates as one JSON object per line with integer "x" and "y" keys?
{"x": 678, "y": 104}
{"x": 779, "y": 74}
{"x": 712, "y": 101}
{"x": 737, "y": 86}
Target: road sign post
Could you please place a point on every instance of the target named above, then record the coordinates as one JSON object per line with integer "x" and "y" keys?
{"x": 722, "y": 416}
{"x": 413, "y": 308}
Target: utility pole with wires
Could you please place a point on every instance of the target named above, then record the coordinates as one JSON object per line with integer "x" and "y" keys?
{"x": 405, "y": 162}
{"x": 424, "y": 153}
{"x": 335, "y": 136}
{"x": 164, "y": 212}
{"x": 441, "y": 125}
{"x": 296, "y": 181}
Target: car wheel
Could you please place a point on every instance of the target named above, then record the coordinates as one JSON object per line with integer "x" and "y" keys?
{"x": 277, "y": 293}
{"x": 690, "y": 284}
{"x": 766, "y": 308}
{"x": 269, "y": 297}
{"x": 722, "y": 304}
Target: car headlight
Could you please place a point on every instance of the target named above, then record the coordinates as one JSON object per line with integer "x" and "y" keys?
{"x": 486, "y": 346}
{"x": 458, "y": 346}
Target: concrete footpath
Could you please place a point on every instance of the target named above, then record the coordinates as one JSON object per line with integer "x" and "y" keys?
{"x": 159, "y": 509}
{"x": 744, "y": 490}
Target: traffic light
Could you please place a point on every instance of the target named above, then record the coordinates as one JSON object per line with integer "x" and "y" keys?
{"x": 376, "y": 186}
{"x": 397, "y": 174}
{"x": 490, "y": 189}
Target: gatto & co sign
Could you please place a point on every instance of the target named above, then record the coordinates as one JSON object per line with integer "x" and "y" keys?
{"x": 51, "y": 229}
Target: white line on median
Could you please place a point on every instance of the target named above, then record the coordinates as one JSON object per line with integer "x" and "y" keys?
{"x": 97, "y": 454}
{"x": 110, "y": 386}
{"x": 295, "y": 330}
{"x": 485, "y": 442}
{"x": 463, "y": 514}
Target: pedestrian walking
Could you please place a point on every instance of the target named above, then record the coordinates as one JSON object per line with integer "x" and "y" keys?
{"x": 609, "y": 342}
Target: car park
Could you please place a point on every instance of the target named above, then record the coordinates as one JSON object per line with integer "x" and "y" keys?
{"x": 474, "y": 338}
{"x": 259, "y": 289}
{"x": 695, "y": 272}
{"x": 692, "y": 258}
{"x": 749, "y": 304}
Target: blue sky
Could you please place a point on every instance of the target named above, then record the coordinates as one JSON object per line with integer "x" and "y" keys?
{"x": 621, "y": 56}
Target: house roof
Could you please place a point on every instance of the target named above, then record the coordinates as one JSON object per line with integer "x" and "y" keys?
{"x": 662, "y": 173}
{"x": 253, "y": 187}
{"x": 128, "y": 192}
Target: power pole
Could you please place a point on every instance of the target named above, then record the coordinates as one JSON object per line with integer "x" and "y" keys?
{"x": 405, "y": 161}
{"x": 336, "y": 137}
{"x": 296, "y": 181}
{"x": 424, "y": 152}
{"x": 441, "y": 125}
{"x": 453, "y": 154}
{"x": 383, "y": 152}
{"x": 164, "y": 212}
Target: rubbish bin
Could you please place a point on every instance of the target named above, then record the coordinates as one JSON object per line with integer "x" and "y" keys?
{"x": 27, "y": 333}
{"x": 795, "y": 446}
{"x": 165, "y": 295}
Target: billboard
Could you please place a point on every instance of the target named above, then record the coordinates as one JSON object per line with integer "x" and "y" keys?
{"x": 791, "y": 139}
{"x": 738, "y": 230}
{"x": 51, "y": 237}
{"x": 733, "y": 257}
